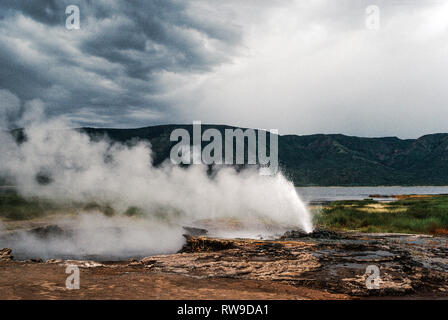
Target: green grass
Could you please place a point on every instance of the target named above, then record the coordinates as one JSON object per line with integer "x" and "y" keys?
{"x": 413, "y": 215}
{"x": 14, "y": 207}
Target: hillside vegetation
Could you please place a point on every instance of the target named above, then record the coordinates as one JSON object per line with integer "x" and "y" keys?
{"x": 320, "y": 159}
{"x": 329, "y": 160}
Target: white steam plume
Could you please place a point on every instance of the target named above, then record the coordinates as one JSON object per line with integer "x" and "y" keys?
{"x": 121, "y": 176}
{"x": 94, "y": 236}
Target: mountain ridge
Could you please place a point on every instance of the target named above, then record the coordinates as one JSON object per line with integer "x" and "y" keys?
{"x": 321, "y": 159}
{"x": 328, "y": 159}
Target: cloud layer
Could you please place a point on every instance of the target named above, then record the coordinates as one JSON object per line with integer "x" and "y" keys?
{"x": 108, "y": 72}
{"x": 301, "y": 67}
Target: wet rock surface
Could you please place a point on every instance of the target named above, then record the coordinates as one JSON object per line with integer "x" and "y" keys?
{"x": 335, "y": 262}
{"x": 201, "y": 244}
{"x": 5, "y": 254}
{"x": 326, "y": 262}
{"x": 50, "y": 231}
{"x": 195, "y": 232}
{"x": 316, "y": 234}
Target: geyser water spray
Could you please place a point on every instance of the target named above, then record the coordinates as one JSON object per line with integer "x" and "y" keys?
{"x": 121, "y": 177}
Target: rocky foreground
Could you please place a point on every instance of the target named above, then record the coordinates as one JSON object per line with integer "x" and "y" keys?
{"x": 323, "y": 260}
{"x": 320, "y": 265}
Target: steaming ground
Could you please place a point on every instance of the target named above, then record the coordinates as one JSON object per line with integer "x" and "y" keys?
{"x": 95, "y": 236}
{"x": 147, "y": 206}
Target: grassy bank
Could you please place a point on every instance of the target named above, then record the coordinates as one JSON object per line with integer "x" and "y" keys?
{"x": 409, "y": 215}
{"x": 427, "y": 215}
{"x": 14, "y": 207}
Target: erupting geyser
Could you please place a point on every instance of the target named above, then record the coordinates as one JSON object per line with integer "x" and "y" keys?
{"x": 121, "y": 177}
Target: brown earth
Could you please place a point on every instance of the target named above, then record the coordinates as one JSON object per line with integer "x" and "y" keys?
{"x": 321, "y": 265}
{"x": 27, "y": 280}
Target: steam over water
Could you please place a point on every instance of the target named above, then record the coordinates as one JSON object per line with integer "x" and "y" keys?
{"x": 79, "y": 170}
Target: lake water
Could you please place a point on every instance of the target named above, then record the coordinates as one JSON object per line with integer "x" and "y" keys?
{"x": 317, "y": 194}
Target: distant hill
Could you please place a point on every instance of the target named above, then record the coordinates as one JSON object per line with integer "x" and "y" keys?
{"x": 329, "y": 159}
{"x": 321, "y": 159}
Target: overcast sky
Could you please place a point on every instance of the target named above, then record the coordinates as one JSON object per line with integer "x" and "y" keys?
{"x": 301, "y": 67}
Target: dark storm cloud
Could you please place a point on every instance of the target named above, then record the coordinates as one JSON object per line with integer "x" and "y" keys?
{"x": 114, "y": 62}
{"x": 45, "y": 11}
{"x": 162, "y": 30}
{"x": 299, "y": 66}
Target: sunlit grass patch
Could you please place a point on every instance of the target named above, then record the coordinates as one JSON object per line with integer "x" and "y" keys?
{"x": 427, "y": 215}
{"x": 382, "y": 207}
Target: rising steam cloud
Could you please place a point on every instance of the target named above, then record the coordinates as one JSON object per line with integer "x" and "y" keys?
{"x": 81, "y": 170}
